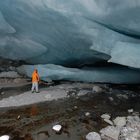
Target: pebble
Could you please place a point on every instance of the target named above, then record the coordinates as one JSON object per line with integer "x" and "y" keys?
{"x": 75, "y": 107}
{"x": 130, "y": 110}
{"x": 87, "y": 114}
{"x": 57, "y": 128}
{"x": 111, "y": 99}
{"x": 97, "y": 89}
{"x": 105, "y": 116}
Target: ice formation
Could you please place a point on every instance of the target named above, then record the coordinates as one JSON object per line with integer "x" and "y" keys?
{"x": 71, "y": 33}
{"x": 109, "y": 75}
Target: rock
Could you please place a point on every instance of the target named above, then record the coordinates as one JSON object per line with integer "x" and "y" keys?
{"x": 48, "y": 96}
{"x": 108, "y": 121}
{"x": 132, "y": 129}
{"x": 121, "y": 96}
{"x": 87, "y": 114}
{"x": 82, "y": 92}
{"x": 77, "y": 97}
{"x": 105, "y": 116}
{"x": 111, "y": 99}
{"x": 130, "y": 110}
{"x": 97, "y": 89}
{"x": 19, "y": 80}
{"x": 120, "y": 121}
{"x": 133, "y": 121}
{"x": 18, "y": 117}
{"x": 75, "y": 107}
{"x": 57, "y": 128}
{"x": 10, "y": 74}
{"x": 110, "y": 132}
{"x": 5, "y": 137}
{"x": 11, "y": 68}
{"x": 2, "y": 93}
{"x": 129, "y": 133}
{"x": 93, "y": 136}
{"x": 135, "y": 113}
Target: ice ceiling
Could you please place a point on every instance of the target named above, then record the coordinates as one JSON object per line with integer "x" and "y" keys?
{"x": 73, "y": 33}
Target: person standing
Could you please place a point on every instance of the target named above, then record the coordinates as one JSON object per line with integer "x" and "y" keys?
{"x": 35, "y": 81}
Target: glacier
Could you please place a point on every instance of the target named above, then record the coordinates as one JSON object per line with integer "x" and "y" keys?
{"x": 73, "y": 34}
{"x": 114, "y": 74}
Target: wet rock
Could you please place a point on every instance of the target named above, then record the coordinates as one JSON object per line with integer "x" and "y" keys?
{"x": 75, "y": 107}
{"x": 2, "y": 93}
{"x": 132, "y": 129}
{"x": 87, "y": 114}
{"x": 110, "y": 132}
{"x": 5, "y": 137}
{"x": 18, "y": 117}
{"x": 82, "y": 92}
{"x": 57, "y": 128}
{"x": 97, "y": 89}
{"x": 105, "y": 116}
{"x": 120, "y": 121}
{"x": 111, "y": 99}
{"x": 93, "y": 136}
{"x": 136, "y": 113}
{"x": 72, "y": 93}
{"x": 122, "y": 96}
{"x": 130, "y": 110}
{"x": 11, "y": 68}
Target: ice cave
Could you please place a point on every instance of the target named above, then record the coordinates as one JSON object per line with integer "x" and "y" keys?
{"x": 69, "y": 69}
{"x": 100, "y": 39}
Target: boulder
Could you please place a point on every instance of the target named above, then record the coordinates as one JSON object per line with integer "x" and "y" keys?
{"x": 110, "y": 132}
{"x": 120, "y": 121}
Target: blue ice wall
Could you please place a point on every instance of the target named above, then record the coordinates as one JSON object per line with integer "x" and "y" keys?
{"x": 73, "y": 32}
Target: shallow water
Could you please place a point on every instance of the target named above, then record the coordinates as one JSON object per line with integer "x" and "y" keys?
{"x": 35, "y": 122}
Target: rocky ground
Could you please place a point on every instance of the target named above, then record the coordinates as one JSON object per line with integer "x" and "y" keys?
{"x": 85, "y": 111}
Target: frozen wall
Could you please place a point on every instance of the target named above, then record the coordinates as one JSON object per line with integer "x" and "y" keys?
{"x": 62, "y": 32}
{"x": 71, "y": 33}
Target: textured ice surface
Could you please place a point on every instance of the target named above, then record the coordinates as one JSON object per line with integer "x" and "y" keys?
{"x": 74, "y": 32}
{"x": 4, "y": 26}
{"x": 126, "y": 54}
{"x": 108, "y": 75}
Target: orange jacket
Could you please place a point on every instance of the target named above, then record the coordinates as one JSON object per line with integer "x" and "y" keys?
{"x": 35, "y": 77}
